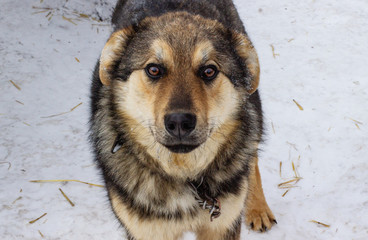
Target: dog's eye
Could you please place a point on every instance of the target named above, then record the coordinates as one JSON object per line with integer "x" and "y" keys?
{"x": 208, "y": 73}
{"x": 154, "y": 71}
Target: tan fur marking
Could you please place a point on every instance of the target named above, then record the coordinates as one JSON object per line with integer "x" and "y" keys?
{"x": 162, "y": 53}
{"x": 223, "y": 101}
{"x": 258, "y": 214}
{"x": 112, "y": 50}
{"x": 180, "y": 160}
{"x": 203, "y": 52}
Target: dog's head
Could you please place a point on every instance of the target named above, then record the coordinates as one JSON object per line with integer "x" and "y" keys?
{"x": 179, "y": 82}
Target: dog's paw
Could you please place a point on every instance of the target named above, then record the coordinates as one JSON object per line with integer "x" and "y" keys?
{"x": 260, "y": 218}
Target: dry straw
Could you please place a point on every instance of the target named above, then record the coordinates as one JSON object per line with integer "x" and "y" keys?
{"x": 280, "y": 169}
{"x": 66, "y": 180}
{"x": 35, "y": 220}
{"x": 319, "y": 223}
{"x": 62, "y": 11}
{"x": 290, "y": 183}
{"x": 299, "y": 106}
{"x": 356, "y": 122}
{"x": 19, "y": 198}
{"x": 59, "y": 114}
{"x": 283, "y": 195}
{"x": 69, "y": 20}
{"x": 274, "y": 54}
{"x": 66, "y": 197}
{"x": 15, "y": 85}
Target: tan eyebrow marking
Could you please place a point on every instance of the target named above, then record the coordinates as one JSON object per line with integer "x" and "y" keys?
{"x": 162, "y": 52}
{"x": 202, "y": 53}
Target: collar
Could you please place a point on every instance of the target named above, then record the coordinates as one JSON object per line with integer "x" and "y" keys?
{"x": 212, "y": 204}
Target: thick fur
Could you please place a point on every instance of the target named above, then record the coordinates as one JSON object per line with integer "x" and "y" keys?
{"x": 148, "y": 185}
{"x": 130, "y": 12}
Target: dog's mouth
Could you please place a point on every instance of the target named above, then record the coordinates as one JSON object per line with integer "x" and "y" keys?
{"x": 185, "y": 144}
{"x": 181, "y": 148}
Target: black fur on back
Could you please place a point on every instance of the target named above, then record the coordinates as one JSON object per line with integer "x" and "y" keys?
{"x": 131, "y": 12}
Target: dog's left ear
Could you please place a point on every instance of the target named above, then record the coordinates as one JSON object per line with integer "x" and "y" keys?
{"x": 246, "y": 51}
{"x": 113, "y": 50}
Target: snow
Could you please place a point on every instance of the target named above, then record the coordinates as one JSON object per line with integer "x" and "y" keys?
{"x": 319, "y": 60}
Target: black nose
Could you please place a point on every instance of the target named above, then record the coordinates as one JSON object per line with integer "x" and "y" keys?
{"x": 180, "y": 124}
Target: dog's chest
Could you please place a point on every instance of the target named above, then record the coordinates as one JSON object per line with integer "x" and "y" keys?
{"x": 179, "y": 213}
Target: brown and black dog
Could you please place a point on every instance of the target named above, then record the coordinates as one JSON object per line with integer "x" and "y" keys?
{"x": 176, "y": 120}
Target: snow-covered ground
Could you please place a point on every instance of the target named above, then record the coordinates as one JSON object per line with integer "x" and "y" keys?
{"x": 314, "y": 52}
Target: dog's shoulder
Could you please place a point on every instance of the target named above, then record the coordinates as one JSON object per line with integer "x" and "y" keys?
{"x": 131, "y": 12}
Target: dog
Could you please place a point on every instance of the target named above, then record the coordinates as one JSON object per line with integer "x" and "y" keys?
{"x": 176, "y": 121}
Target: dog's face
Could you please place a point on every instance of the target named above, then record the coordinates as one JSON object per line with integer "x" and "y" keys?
{"x": 179, "y": 81}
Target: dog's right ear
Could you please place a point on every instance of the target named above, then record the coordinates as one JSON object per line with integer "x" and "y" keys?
{"x": 112, "y": 51}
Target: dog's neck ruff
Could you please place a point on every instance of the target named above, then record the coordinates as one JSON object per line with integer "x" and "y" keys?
{"x": 205, "y": 202}
{"x": 213, "y": 205}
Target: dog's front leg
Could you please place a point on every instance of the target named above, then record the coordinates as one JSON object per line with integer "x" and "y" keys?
{"x": 257, "y": 213}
